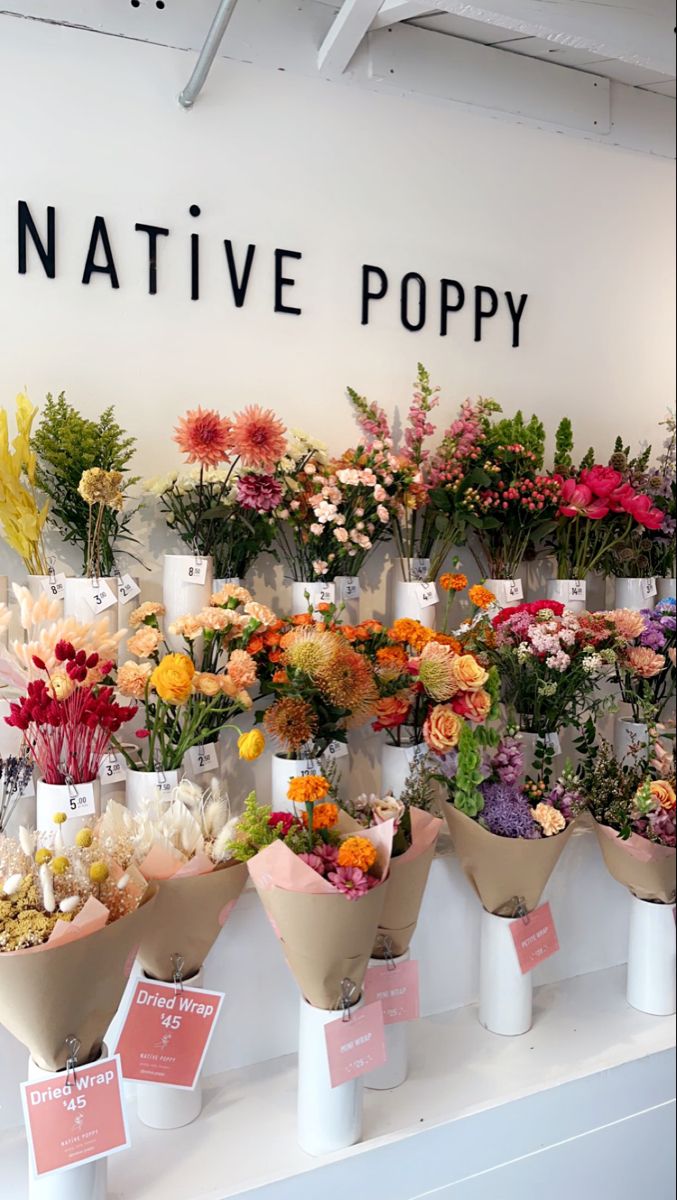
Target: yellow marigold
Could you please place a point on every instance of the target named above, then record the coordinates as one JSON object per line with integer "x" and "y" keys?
{"x": 98, "y": 872}
{"x": 43, "y": 856}
{"x": 307, "y": 789}
{"x": 173, "y": 678}
{"x": 453, "y": 583}
{"x": 325, "y": 816}
{"x": 481, "y": 597}
{"x": 141, "y": 614}
{"x": 357, "y": 852}
{"x": 251, "y": 745}
{"x": 84, "y": 838}
{"x": 59, "y": 865}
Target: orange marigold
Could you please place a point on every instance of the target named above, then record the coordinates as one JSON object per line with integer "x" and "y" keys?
{"x": 357, "y": 852}
{"x": 392, "y": 656}
{"x": 411, "y": 632}
{"x": 325, "y": 816}
{"x": 446, "y": 639}
{"x": 306, "y": 789}
{"x": 453, "y": 583}
{"x": 481, "y": 597}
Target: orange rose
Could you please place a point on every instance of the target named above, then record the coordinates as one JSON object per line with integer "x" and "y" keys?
{"x": 664, "y": 794}
{"x": 469, "y": 676}
{"x": 442, "y": 729}
{"x": 391, "y": 712}
{"x": 474, "y": 706}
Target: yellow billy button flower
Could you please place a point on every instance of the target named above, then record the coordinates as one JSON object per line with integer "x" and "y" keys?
{"x": 98, "y": 872}
{"x": 59, "y": 865}
{"x": 251, "y": 745}
{"x": 43, "y": 856}
{"x": 84, "y": 838}
{"x": 59, "y": 818}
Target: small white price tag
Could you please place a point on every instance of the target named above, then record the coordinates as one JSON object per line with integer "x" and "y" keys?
{"x": 415, "y": 753}
{"x": 128, "y": 589}
{"x": 80, "y": 800}
{"x": 649, "y": 588}
{"x": 203, "y": 759}
{"x": 100, "y": 596}
{"x": 54, "y": 585}
{"x": 350, "y": 587}
{"x": 577, "y": 589}
{"x": 552, "y": 740}
{"x": 514, "y": 590}
{"x": 195, "y": 570}
{"x": 419, "y": 568}
{"x": 337, "y": 750}
{"x": 112, "y": 767}
{"x": 426, "y": 594}
{"x": 323, "y": 593}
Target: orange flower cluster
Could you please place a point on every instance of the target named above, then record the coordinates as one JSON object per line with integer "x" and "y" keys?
{"x": 307, "y": 789}
{"x": 357, "y": 852}
{"x": 453, "y": 583}
{"x": 481, "y": 597}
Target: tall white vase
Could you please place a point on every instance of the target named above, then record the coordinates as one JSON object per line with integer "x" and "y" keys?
{"x": 506, "y": 591}
{"x": 348, "y": 595}
{"x": 628, "y": 734}
{"x": 142, "y": 785}
{"x": 396, "y": 763}
{"x": 407, "y": 605}
{"x": 633, "y": 593}
{"x": 651, "y": 957}
{"x": 78, "y": 593}
{"x": 161, "y": 1106}
{"x": 51, "y": 798}
{"x": 395, "y": 1069}
{"x": 4, "y": 634}
{"x": 667, "y": 588}
{"x": 506, "y": 995}
{"x": 183, "y": 595}
{"x": 329, "y": 1119}
{"x": 87, "y": 1182}
{"x": 572, "y": 593}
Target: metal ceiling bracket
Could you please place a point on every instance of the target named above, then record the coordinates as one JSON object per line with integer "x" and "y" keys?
{"x": 208, "y": 53}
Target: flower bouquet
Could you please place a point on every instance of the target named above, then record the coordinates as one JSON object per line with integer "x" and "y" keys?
{"x": 22, "y": 519}
{"x": 70, "y": 922}
{"x": 645, "y": 665}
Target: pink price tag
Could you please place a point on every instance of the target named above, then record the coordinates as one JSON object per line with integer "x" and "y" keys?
{"x": 397, "y": 989}
{"x": 74, "y": 1122}
{"x": 166, "y": 1033}
{"x": 356, "y": 1046}
{"x": 535, "y": 938}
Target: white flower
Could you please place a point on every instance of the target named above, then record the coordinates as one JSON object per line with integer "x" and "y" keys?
{"x": 349, "y": 476}
{"x": 316, "y": 529}
{"x": 48, "y": 901}
{"x": 341, "y": 534}
{"x": 27, "y": 840}
{"x": 12, "y": 884}
{"x": 382, "y": 514}
{"x": 70, "y": 904}
{"x": 592, "y": 663}
{"x": 320, "y": 567}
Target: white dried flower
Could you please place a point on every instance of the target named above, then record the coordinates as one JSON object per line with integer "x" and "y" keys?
{"x": 70, "y": 904}
{"x": 12, "y": 884}
{"x": 49, "y": 903}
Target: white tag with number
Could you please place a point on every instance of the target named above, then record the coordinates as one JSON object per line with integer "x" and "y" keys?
{"x": 337, "y": 750}
{"x": 54, "y": 585}
{"x": 426, "y": 594}
{"x": 577, "y": 589}
{"x": 415, "y": 753}
{"x": 111, "y": 768}
{"x": 100, "y": 596}
{"x": 128, "y": 589}
{"x": 323, "y": 593}
{"x": 419, "y": 568}
{"x": 350, "y": 587}
{"x": 79, "y": 800}
{"x": 195, "y": 570}
{"x": 514, "y": 590}
{"x": 203, "y": 759}
{"x": 649, "y": 588}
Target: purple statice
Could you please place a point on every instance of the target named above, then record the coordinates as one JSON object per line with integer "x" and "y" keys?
{"x": 508, "y": 761}
{"x": 447, "y": 764}
{"x": 507, "y": 812}
{"x": 260, "y": 492}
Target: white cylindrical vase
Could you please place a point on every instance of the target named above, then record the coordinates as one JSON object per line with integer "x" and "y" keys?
{"x": 329, "y": 1119}
{"x": 407, "y": 605}
{"x": 182, "y": 593}
{"x": 78, "y": 596}
{"x": 51, "y": 798}
{"x": 87, "y": 1182}
{"x": 283, "y": 771}
{"x": 572, "y": 593}
{"x": 396, "y": 764}
{"x": 348, "y": 595}
{"x": 632, "y": 593}
{"x": 143, "y": 785}
{"x": 506, "y": 591}
{"x": 667, "y": 588}
{"x": 395, "y": 1069}
{"x": 506, "y": 995}
{"x": 630, "y": 738}
{"x": 651, "y": 957}
{"x": 162, "y": 1106}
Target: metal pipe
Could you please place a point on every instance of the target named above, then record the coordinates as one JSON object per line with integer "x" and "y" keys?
{"x": 207, "y": 54}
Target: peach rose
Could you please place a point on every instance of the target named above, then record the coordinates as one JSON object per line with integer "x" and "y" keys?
{"x": 664, "y": 794}
{"x": 132, "y": 679}
{"x": 442, "y": 729}
{"x": 474, "y": 706}
{"x": 145, "y": 641}
{"x": 468, "y": 674}
{"x": 206, "y": 684}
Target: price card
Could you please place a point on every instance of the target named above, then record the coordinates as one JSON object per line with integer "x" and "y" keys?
{"x": 426, "y": 594}
{"x": 419, "y": 568}
{"x": 356, "y": 1046}
{"x": 323, "y": 593}
{"x": 195, "y": 570}
{"x": 100, "y": 596}
{"x": 649, "y": 588}
{"x": 76, "y": 1121}
{"x": 54, "y": 585}
{"x": 203, "y": 759}
{"x": 397, "y": 988}
{"x": 337, "y": 750}
{"x": 128, "y": 589}
{"x": 162, "y": 783}
{"x": 75, "y": 799}
{"x": 112, "y": 768}
{"x": 535, "y": 938}
{"x": 350, "y": 588}
{"x": 514, "y": 591}
{"x": 415, "y": 753}
{"x": 577, "y": 589}
{"x": 166, "y": 1031}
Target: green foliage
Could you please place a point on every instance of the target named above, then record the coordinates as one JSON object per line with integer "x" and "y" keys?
{"x": 66, "y": 444}
{"x": 564, "y": 445}
{"x": 467, "y": 795}
{"x": 610, "y": 786}
{"x": 515, "y": 430}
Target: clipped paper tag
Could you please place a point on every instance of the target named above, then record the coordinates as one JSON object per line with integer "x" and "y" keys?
{"x": 74, "y": 1118}
{"x": 514, "y": 592}
{"x": 356, "y": 1046}
{"x": 112, "y": 767}
{"x": 166, "y": 1031}
{"x": 323, "y": 593}
{"x": 426, "y": 594}
{"x": 54, "y": 585}
{"x": 203, "y": 759}
{"x": 337, "y": 750}
{"x": 195, "y": 570}
{"x": 414, "y": 753}
{"x": 75, "y": 799}
{"x": 100, "y": 596}
{"x": 350, "y": 588}
{"x": 535, "y": 938}
{"x": 552, "y": 740}
{"x": 397, "y": 988}
{"x": 577, "y": 589}
{"x": 128, "y": 589}
{"x": 649, "y": 588}
{"x": 419, "y": 568}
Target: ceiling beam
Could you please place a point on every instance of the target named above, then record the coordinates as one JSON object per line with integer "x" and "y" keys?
{"x": 345, "y": 35}
{"x": 394, "y": 11}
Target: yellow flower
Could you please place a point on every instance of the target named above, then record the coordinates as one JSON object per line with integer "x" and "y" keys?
{"x": 357, "y": 852}
{"x": 251, "y": 745}
{"x": 22, "y": 521}
{"x": 84, "y": 838}
{"x": 43, "y": 856}
{"x": 59, "y": 865}
{"x": 306, "y": 789}
{"x": 98, "y": 872}
{"x": 173, "y": 678}
{"x": 59, "y": 818}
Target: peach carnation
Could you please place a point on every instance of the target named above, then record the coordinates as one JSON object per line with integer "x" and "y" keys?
{"x": 148, "y": 609}
{"x": 132, "y": 679}
{"x": 145, "y": 641}
{"x": 242, "y": 669}
{"x": 550, "y": 819}
{"x": 189, "y": 627}
{"x": 260, "y": 612}
{"x": 231, "y": 591}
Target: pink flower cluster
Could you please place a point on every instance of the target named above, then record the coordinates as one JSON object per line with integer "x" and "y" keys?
{"x": 599, "y": 491}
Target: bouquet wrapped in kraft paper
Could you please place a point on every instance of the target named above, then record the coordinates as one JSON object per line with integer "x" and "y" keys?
{"x": 646, "y": 868}
{"x": 70, "y": 926}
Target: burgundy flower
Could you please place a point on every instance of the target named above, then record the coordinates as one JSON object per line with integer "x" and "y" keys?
{"x": 260, "y": 492}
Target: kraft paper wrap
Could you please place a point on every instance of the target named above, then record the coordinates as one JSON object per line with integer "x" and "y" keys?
{"x": 50, "y": 993}
{"x": 406, "y": 885}
{"x": 190, "y": 911}
{"x": 644, "y": 867}
{"x": 501, "y": 868}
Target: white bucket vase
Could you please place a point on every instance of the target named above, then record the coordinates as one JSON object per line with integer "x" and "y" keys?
{"x": 79, "y": 600}
{"x": 183, "y": 594}
{"x": 635, "y": 593}
{"x": 396, "y": 764}
{"x": 506, "y": 591}
{"x": 572, "y": 593}
{"x": 651, "y": 957}
{"x": 51, "y": 798}
{"x": 409, "y": 606}
{"x": 506, "y": 995}
{"x": 329, "y": 1119}
{"x": 348, "y": 595}
{"x": 143, "y": 785}
{"x": 161, "y": 1106}
{"x": 529, "y": 742}
{"x": 667, "y": 588}
{"x": 395, "y": 1069}
{"x": 629, "y": 739}
{"x": 87, "y": 1182}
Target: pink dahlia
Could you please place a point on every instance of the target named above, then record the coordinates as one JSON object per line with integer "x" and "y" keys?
{"x": 204, "y": 437}
{"x": 351, "y": 881}
{"x": 258, "y": 437}
{"x": 260, "y": 492}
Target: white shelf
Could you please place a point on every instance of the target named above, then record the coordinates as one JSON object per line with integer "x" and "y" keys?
{"x": 474, "y": 1104}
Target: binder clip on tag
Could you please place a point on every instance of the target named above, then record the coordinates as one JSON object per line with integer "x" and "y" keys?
{"x": 385, "y": 945}
{"x": 100, "y": 596}
{"x": 128, "y": 589}
{"x": 514, "y": 590}
{"x": 426, "y": 594}
{"x": 55, "y": 583}
{"x": 349, "y": 996}
{"x": 196, "y": 570}
{"x": 80, "y": 799}
{"x": 178, "y": 963}
{"x": 72, "y": 1045}
{"x": 162, "y": 783}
